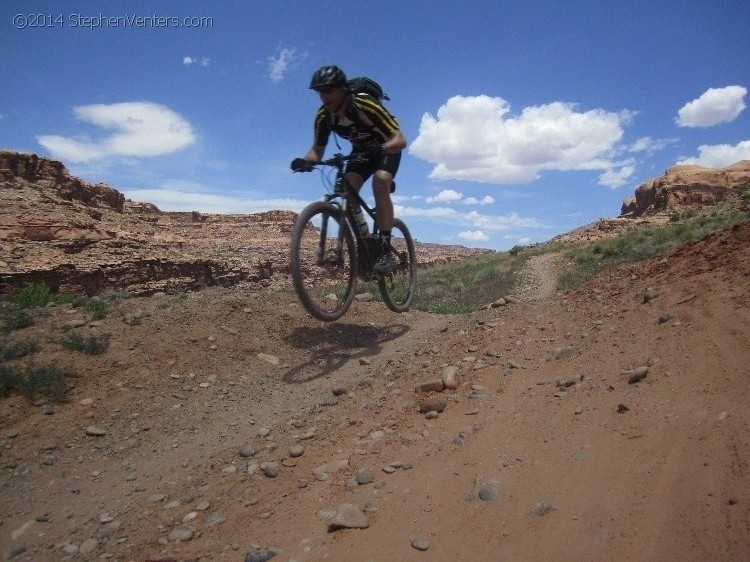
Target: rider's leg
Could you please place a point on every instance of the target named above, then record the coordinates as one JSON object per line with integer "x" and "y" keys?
{"x": 381, "y": 189}
{"x": 355, "y": 180}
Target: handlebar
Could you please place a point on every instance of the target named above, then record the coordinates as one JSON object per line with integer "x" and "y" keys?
{"x": 338, "y": 160}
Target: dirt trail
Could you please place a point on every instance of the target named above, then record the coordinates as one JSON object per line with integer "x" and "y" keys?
{"x": 545, "y": 451}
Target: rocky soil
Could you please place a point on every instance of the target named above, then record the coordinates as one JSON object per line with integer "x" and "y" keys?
{"x": 606, "y": 423}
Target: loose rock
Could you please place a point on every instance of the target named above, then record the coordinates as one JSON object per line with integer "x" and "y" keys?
{"x": 432, "y": 405}
{"x": 450, "y": 377}
{"x": 348, "y": 516}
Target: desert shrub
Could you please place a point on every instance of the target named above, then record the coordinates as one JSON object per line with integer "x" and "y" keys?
{"x": 92, "y": 345}
{"x": 15, "y": 318}
{"x": 19, "y": 349}
{"x": 34, "y": 295}
{"x": 98, "y": 308}
{"x": 31, "y": 381}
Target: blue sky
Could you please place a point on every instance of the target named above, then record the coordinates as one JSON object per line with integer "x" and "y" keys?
{"x": 524, "y": 119}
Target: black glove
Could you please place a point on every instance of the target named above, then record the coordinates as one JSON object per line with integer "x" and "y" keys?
{"x": 300, "y": 165}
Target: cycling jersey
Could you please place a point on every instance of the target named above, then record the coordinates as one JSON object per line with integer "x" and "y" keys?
{"x": 367, "y": 124}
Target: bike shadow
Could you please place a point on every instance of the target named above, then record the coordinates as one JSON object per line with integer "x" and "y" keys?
{"x": 333, "y": 345}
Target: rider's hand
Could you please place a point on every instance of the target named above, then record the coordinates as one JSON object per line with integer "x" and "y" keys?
{"x": 300, "y": 165}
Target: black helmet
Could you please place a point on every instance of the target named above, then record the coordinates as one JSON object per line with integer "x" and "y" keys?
{"x": 327, "y": 76}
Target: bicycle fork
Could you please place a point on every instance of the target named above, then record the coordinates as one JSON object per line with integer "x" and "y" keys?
{"x": 335, "y": 255}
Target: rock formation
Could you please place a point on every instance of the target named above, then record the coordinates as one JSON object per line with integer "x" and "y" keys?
{"x": 687, "y": 186}
{"x": 86, "y": 238}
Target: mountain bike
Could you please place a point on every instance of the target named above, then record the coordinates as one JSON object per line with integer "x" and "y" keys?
{"x": 329, "y": 253}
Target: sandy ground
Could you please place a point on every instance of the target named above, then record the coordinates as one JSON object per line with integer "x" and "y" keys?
{"x": 233, "y": 425}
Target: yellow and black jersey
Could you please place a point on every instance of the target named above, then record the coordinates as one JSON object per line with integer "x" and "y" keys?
{"x": 367, "y": 124}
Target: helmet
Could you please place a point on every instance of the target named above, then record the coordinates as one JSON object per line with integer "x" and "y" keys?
{"x": 327, "y": 76}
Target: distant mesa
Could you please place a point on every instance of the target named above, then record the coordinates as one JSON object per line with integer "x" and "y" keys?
{"x": 87, "y": 238}
{"x": 687, "y": 186}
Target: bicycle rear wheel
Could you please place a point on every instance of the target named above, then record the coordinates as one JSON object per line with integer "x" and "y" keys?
{"x": 397, "y": 288}
{"x": 323, "y": 261}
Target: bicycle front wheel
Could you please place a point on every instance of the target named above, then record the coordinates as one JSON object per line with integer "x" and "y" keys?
{"x": 323, "y": 261}
{"x": 397, "y": 288}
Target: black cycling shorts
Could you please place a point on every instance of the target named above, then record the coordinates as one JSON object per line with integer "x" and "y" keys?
{"x": 366, "y": 169}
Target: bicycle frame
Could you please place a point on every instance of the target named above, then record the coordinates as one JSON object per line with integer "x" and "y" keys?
{"x": 348, "y": 195}
{"x": 328, "y": 253}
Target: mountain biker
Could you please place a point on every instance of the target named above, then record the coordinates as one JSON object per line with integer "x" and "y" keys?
{"x": 371, "y": 129}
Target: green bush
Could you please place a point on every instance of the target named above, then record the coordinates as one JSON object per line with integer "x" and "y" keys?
{"x": 32, "y": 381}
{"x": 15, "y": 318}
{"x": 19, "y": 349}
{"x": 34, "y": 296}
{"x": 92, "y": 345}
{"x": 98, "y": 308}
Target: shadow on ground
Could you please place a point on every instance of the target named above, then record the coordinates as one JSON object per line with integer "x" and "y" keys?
{"x": 329, "y": 347}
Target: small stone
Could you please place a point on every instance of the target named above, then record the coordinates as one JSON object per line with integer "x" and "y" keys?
{"x": 339, "y": 390}
{"x": 270, "y": 469}
{"x": 622, "y": 408}
{"x": 389, "y": 469}
{"x": 666, "y": 317}
{"x": 348, "y": 516}
{"x": 431, "y": 386}
{"x": 328, "y": 401}
{"x": 296, "y": 451}
{"x": 47, "y": 410}
{"x": 432, "y": 405}
{"x": 419, "y": 543}
{"x": 12, "y": 433}
{"x": 13, "y": 549}
{"x": 272, "y": 359}
{"x": 431, "y": 415}
{"x": 365, "y": 476}
{"x": 180, "y": 534}
{"x": 86, "y": 402}
{"x": 248, "y": 450}
{"x": 94, "y": 431}
{"x": 364, "y": 361}
{"x": 256, "y": 555}
{"x": 636, "y": 375}
{"x": 215, "y": 519}
{"x": 542, "y": 509}
{"x": 450, "y": 377}
{"x": 565, "y": 352}
{"x": 488, "y": 492}
{"x": 88, "y": 546}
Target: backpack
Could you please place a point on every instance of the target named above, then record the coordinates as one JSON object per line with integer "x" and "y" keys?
{"x": 365, "y": 85}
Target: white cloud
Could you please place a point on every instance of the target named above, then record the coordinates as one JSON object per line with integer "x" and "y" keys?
{"x": 719, "y": 155}
{"x": 615, "y": 178}
{"x": 445, "y": 196}
{"x": 188, "y": 196}
{"x": 203, "y": 61}
{"x": 476, "y": 138}
{"x": 473, "y": 219}
{"x": 714, "y": 106}
{"x": 649, "y": 145}
{"x": 141, "y": 129}
{"x": 486, "y": 200}
{"x": 473, "y": 236}
{"x": 279, "y": 63}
